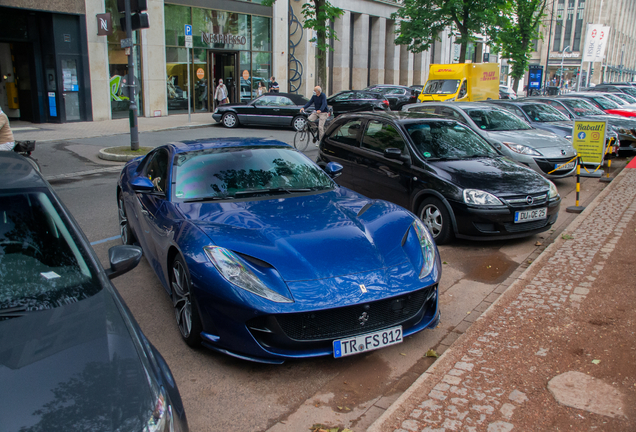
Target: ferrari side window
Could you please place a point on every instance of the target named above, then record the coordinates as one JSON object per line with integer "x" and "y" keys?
{"x": 157, "y": 170}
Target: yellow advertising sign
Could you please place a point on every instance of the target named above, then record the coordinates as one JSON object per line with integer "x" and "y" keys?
{"x": 588, "y": 139}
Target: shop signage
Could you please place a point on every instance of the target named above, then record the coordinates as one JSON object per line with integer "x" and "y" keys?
{"x": 215, "y": 38}
{"x": 565, "y": 55}
{"x": 595, "y": 42}
{"x": 104, "y": 24}
{"x": 588, "y": 139}
{"x": 200, "y": 73}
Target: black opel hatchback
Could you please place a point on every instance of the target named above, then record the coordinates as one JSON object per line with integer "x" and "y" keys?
{"x": 457, "y": 183}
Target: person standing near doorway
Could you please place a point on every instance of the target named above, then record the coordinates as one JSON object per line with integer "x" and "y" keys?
{"x": 260, "y": 89}
{"x": 220, "y": 95}
{"x": 273, "y": 85}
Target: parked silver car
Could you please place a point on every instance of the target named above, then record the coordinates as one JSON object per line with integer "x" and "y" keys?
{"x": 540, "y": 150}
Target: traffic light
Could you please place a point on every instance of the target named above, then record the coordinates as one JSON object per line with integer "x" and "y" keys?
{"x": 138, "y": 19}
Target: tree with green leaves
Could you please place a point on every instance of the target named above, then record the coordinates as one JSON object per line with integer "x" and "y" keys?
{"x": 514, "y": 37}
{"x": 420, "y": 22}
{"x": 316, "y": 16}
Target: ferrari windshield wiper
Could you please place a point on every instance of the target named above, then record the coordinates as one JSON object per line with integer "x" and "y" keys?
{"x": 13, "y": 312}
{"x": 208, "y": 198}
{"x": 279, "y": 190}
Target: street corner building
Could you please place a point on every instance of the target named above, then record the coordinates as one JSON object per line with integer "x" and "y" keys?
{"x": 66, "y": 61}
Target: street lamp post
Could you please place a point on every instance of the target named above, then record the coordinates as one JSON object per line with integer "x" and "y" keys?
{"x": 622, "y": 53}
{"x": 561, "y": 72}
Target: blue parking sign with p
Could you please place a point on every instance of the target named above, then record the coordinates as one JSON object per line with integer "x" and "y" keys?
{"x": 188, "y": 30}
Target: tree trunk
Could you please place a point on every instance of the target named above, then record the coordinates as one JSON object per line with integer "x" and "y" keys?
{"x": 462, "y": 52}
{"x": 321, "y": 56}
{"x": 515, "y": 85}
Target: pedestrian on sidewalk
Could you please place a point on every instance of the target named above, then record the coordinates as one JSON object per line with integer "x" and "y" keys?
{"x": 220, "y": 95}
{"x": 6, "y": 136}
{"x": 273, "y": 85}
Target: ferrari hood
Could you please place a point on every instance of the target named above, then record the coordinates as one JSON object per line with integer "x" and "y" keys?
{"x": 72, "y": 365}
{"x": 308, "y": 237}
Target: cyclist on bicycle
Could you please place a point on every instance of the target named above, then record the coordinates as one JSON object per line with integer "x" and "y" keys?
{"x": 321, "y": 113}
{"x": 6, "y": 136}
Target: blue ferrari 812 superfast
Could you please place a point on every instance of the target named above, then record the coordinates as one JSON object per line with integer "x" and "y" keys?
{"x": 266, "y": 258}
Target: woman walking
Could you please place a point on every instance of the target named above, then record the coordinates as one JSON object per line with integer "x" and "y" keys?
{"x": 220, "y": 95}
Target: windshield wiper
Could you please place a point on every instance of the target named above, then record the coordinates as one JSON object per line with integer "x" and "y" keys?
{"x": 279, "y": 190}
{"x": 209, "y": 198}
{"x": 477, "y": 156}
{"x": 13, "y": 312}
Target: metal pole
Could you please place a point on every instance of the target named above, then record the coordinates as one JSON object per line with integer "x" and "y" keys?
{"x": 547, "y": 57}
{"x": 188, "y": 87}
{"x": 132, "y": 113}
{"x": 622, "y": 52}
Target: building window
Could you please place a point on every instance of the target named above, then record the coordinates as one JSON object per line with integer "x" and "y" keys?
{"x": 576, "y": 46}
{"x": 558, "y": 28}
{"x": 567, "y": 37}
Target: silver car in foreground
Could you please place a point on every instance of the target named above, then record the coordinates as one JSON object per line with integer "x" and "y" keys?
{"x": 540, "y": 150}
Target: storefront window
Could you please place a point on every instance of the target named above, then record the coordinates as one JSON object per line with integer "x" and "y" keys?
{"x": 200, "y": 80}
{"x": 261, "y": 34}
{"x": 176, "y": 18}
{"x": 177, "y": 82}
{"x": 261, "y": 67}
{"x": 235, "y": 47}
{"x": 220, "y": 29}
{"x": 118, "y": 66}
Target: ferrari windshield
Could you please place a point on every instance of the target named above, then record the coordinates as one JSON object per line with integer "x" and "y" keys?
{"x": 543, "y": 113}
{"x": 41, "y": 264}
{"x": 581, "y": 107}
{"x": 441, "y": 87}
{"x": 448, "y": 140}
{"x": 496, "y": 120}
{"x": 237, "y": 172}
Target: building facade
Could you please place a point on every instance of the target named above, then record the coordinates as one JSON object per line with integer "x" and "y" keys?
{"x": 560, "y": 50}
{"x": 67, "y": 69}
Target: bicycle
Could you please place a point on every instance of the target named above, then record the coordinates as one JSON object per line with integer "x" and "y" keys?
{"x": 309, "y": 131}
{"x": 25, "y": 148}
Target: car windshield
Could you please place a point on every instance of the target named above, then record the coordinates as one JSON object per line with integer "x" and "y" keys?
{"x": 41, "y": 264}
{"x": 629, "y": 90}
{"x": 448, "y": 140}
{"x": 628, "y": 98}
{"x": 581, "y": 107}
{"x": 605, "y": 103}
{"x": 441, "y": 87}
{"x": 496, "y": 120}
{"x": 614, "y": 98}
{"x": 230, "y": 173}
{"x": 543, "y": 113}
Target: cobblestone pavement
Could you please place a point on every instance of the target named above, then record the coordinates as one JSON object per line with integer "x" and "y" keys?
{"x": 497, "y": 377}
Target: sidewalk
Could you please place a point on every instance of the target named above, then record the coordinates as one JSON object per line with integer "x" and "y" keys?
{"x": 557, "y": 351}
{"x": 43, "y": 132}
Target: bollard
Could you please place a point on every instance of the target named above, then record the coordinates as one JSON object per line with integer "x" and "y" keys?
{"x": 577, "y": 208}
{"x": 607, "y": 178}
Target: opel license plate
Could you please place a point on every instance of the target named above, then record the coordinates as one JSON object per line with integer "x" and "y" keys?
{"x": 367, "y": 342}
{"x": 530, "y": 215}
{"x": 567, "y": 166}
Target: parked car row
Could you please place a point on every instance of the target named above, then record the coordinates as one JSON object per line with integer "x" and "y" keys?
{"x": 283, "y": 109}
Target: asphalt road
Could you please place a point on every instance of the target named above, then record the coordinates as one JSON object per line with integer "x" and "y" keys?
{"x": 223, "y": 393}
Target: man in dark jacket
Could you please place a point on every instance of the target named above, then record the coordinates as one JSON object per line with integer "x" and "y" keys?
{"x": 321, "y": 113}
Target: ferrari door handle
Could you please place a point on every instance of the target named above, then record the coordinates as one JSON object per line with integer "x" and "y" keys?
{"x": 144, "y": 212}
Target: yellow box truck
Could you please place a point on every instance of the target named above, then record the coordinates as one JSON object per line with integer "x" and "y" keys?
{"x": 465, "y": 82}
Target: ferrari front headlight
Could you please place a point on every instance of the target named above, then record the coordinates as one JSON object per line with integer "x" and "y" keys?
{"x": 234, "y": 271}
{"x": 427, "y": 245}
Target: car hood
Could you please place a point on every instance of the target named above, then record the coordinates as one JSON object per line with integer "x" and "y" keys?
{"x": 561, "y": 128}
{"x": 309, "y": 237}
{"x": 72, "y": 365}
{"x": 498, "y": 176}
{"x": 535, "y": 138}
